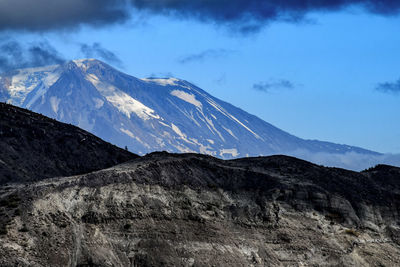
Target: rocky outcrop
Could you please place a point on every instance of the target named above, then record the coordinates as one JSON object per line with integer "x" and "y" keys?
{"x": 34, "y": 147}
{"x": 192, "y": 210}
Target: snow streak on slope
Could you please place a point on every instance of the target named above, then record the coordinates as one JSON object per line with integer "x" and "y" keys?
{"x": 221, "y": 109}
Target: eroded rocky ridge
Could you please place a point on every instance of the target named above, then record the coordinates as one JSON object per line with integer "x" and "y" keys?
{"x": 192, "y": 210}
{"x": 33, "y": 147}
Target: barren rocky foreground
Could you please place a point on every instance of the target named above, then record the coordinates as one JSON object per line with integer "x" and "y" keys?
{"x": 192, "y": 210}
{"x": 33, "y": 147}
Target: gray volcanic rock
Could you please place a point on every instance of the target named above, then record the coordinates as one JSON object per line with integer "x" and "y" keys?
{"x": 193, "y": 210}
{"x": 33, "y": 147}
{"x": 150, "y": 114}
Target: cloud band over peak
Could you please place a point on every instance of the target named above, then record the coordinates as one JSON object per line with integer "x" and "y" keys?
{"x": 245, "y": 15}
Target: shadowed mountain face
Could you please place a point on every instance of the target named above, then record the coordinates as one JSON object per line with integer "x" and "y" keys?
{"x": 150, "y": 114}
{"x": 193, "y": 210}
{"x": 34, "y": 147}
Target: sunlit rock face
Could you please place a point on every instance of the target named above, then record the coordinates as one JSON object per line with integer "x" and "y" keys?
{"x": 150, "y": 114}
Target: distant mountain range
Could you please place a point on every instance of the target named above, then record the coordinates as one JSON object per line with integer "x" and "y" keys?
{"x": 150, "y": 114}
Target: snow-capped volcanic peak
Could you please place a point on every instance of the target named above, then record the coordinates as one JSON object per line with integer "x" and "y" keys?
{"x": 148, "y": 114}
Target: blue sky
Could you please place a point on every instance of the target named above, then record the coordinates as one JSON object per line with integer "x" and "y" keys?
{"x": 316, "y": 79}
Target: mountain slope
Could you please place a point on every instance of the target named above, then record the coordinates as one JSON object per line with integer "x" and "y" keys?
{"x": 149, "y": 114}
{"x": 34, "y": 147}
{"x": 195, "y": 210}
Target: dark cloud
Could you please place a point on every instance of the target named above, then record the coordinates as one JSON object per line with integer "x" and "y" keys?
{"x": 43, "y": 54}
{"x": 14, "y": 55}
{"x": 96, "y": 50}
{"x": 389, "y": 87}
{"x": 267, "y": 87}
{"x": 250, "y": 15}
{"x": 207, "y": 54}
{"x": 242, "y": 15}
{"x": 39, "y": 15}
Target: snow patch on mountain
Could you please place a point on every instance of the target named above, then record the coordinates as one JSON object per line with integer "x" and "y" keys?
{"x": 54, "y": 102}
{"x": 82, "y": 63}
{"x": 40, "y": 91}
{"x": 98, "y": 102}
{"x": 128, "y": 105}
{"x": 231, "y": 151}
{"x": 189, "y": 98}
{"x": 85, "y": 122}
{"x": 164, "y": 124}
{"x": 127, "y": 132}
{"x": 212, "y": 127}
{"x": 121, "y": 100}
{"x": 178, "y": 131}
{"x": 230, "y": 132}
{"x": 227, "y": 114}
{"x": 162, "y": 81}
{"x": 27, "y": 80}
